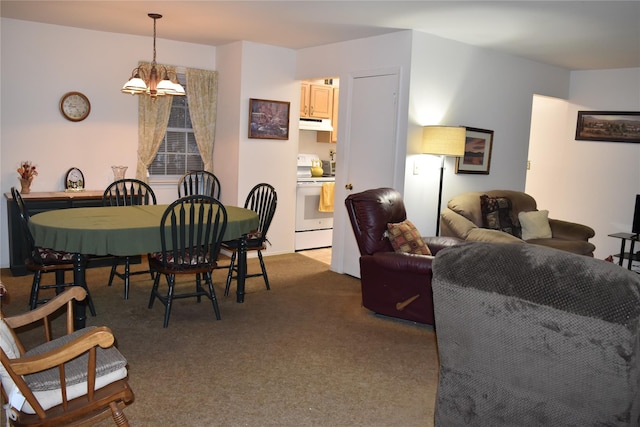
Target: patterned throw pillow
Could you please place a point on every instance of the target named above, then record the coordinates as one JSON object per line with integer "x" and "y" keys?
{"x": 496, "y": 214}
{"x": 404, "y": 237}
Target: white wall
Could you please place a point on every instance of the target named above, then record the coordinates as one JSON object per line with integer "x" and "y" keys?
{"x": 40, "y": 63}
{"x": 456, "y": 84}
{"x": 591, "y": 182}
{"x": 227, "y": 148}
{"x": 268, "y": 72}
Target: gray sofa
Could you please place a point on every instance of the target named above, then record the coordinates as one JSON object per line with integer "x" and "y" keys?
{"x": 535, "y": 336}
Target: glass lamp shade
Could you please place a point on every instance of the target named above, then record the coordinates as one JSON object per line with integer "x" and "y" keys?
{"x": 177, "y": 89}
{"x": 134, "y": 86}
{"x": 444, "y": 140}
{"x": 164, "y": 87}
{"x": 167, "y": 87}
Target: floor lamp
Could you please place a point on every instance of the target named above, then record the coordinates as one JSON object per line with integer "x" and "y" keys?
{"x": 443, "y": 141}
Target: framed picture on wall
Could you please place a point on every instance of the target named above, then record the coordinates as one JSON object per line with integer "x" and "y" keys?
{"x": 268, "y": 119}
{"x": 611, "y": 126}
{"x": 477, "y": 152}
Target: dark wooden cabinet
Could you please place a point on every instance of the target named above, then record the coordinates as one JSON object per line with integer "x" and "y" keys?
{"x": 42, "y": 202}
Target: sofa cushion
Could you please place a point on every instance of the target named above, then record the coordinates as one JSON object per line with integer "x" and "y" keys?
{"x": 496, "y": 214}
{"x": 535, "y": 225}
{"x": 404, "y": 237}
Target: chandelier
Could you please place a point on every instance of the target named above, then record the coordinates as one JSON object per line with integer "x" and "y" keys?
{"x": 141, "y": 83}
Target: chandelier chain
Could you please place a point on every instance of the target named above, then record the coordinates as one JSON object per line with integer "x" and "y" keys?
{"x": 154, "y": 40}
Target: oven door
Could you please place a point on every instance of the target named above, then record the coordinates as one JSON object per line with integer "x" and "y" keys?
{"x": 307, "y": 201}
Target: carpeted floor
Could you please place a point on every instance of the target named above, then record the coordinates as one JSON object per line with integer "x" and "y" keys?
{"x": 305, "y": 353}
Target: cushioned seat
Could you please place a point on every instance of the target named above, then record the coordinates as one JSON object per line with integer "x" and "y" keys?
{"x": 497, "y": 216}
{"x": 111, "y": 366}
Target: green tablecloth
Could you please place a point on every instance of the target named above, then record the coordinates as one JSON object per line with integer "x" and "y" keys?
{"x": 118, "y": 230}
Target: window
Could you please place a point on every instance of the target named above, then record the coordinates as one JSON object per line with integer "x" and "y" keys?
{"x": 178, "y": 152}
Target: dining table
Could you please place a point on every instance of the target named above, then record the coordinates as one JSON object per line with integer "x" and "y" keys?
{"x": 123, "y": 231}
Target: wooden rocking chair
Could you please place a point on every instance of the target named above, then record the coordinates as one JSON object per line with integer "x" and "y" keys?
{"x": 75, "y": 379}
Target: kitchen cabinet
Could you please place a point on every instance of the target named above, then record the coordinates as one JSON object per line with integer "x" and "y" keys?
{"x": 331, "y": 137}
{"x": 42, "y": 202}
{"x": 316, "y": 101}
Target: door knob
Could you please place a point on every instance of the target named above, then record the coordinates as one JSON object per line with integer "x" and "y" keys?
{"x": 349, "y": 187}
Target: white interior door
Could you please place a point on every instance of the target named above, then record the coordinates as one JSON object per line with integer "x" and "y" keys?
{"x": 370, "y": 149}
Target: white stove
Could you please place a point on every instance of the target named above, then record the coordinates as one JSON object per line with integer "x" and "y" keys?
{"x": 314, "y": 229}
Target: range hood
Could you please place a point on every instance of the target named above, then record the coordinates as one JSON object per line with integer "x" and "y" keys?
{"x": 315, "y": 124}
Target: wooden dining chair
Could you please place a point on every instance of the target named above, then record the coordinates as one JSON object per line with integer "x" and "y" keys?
{"x": 75, "y": 379}
{"x": 191, "y": 231}
{"x": 127, "y": 192}
{"x": 199, "y": 182}
{"x": 41, "y": 260}
{"x": 262, "y": 199}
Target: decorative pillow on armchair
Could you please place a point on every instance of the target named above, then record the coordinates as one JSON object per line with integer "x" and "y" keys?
{"x": 496, "y": 214}
{"x": 404, "y": 237}
{"x": 535, "y": 225}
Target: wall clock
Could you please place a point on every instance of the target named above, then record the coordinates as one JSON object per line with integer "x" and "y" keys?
{"x": 75, "y": 106}
{"x": 74, "y": 180}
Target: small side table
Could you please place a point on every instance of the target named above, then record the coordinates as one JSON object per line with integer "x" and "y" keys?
{"x": 631, "y": 256}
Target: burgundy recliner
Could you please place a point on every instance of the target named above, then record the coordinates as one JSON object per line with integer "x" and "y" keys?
{"x": 393, "y": 284}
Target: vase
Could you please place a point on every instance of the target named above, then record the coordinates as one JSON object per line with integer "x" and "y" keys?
{"x": 118, "y": 172}
{"x": 25, "y": 184}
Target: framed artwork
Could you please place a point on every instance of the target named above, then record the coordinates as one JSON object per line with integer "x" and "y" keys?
{"x": 611, "y": 126}
{"x": 477, "y": 152}
{"x": 268, "y": 119}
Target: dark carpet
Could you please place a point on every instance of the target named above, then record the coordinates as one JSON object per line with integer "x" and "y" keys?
{"x": 305, "y": 353}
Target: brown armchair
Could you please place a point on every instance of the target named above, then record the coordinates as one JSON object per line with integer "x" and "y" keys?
{"x": 393, "y": 284}
{"x": 463, "y": 218}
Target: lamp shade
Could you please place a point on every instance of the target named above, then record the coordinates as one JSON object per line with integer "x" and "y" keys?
{"x": 444, "y": 140}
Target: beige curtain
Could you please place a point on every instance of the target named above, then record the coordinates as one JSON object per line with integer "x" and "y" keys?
{"x": 202, "y": 95}
{"x": 153, "y": 117}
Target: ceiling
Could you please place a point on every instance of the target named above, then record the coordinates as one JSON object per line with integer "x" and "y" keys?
{"x": 576, "y": 35}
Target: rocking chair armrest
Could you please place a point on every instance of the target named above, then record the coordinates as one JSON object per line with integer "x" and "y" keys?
{"x": 72, "y": 293}
{"x": 101, "y": 336}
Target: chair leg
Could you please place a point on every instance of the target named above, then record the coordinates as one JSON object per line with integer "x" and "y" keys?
{"x": 114, "y": 266}
{"x": 264, "y": 270}
{"x": 199, "y": 287}
{"x": 171, "y": 280}
{"x": 154, "y": 290}
{"x": 118, "y": 415}
{"x": 127, "y": 267}
{"x": 230, "y": 274}
{"x": 89, "y": 300}
{"x": 35, "y": 290}
{"x": 59, "y": 281}
{"x": 151, "y": 272}
{"x": 212, "y": 293}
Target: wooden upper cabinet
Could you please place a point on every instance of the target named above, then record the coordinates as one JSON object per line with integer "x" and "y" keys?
{"x": 331, "y": 137}
{"x": 304, "y": 99}
{"x": 316, "y": 101}
{"x": 321, "y": 100}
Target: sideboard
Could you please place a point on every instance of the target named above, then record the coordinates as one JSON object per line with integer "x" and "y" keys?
{"x": 41, "y": 202}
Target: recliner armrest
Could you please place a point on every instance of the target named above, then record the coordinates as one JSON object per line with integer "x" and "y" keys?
{"x": 570, "y": 230}
{"x": 436, "y": 243}
{"x": 411, "y": 263}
